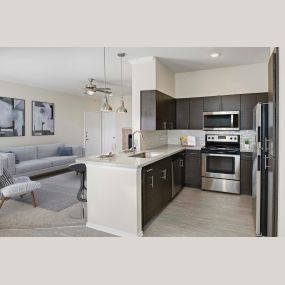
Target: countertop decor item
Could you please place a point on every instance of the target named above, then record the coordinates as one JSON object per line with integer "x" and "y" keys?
{"x": 247, "y": 144}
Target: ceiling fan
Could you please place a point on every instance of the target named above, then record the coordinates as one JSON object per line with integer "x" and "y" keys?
{"x": 91, "y": 88}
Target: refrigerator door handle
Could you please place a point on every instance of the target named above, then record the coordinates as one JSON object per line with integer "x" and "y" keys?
{"x": 267, "y": 144}
{"x": 266, "y": 166}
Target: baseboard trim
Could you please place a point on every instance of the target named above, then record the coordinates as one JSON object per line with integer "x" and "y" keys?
{"x": 112, "y": 231}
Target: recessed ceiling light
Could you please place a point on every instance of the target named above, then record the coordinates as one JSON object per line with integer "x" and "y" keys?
{"x": 215, "y": 54}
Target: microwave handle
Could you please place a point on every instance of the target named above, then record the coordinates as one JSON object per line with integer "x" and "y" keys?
{"x": 232, "y": 120}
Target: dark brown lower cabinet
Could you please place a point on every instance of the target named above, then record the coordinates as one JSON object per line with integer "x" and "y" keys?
{"x": 156, "y": 188}
{"x": 193, "y": 168}
{"x": 246, "y": 173}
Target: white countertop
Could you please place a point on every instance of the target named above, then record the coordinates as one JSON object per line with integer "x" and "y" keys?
{"x": 124, "y": 160}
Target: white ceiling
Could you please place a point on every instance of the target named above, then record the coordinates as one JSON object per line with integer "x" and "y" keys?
{"x": 67, "y": 69}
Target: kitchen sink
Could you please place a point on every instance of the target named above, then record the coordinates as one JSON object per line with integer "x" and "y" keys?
{"x": 146, "y": 154}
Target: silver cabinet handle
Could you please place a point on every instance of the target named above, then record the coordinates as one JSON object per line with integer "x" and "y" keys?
{"x": 181, "y": 163}
{"x": 151, "y": 184}
{"x": 266, "y": 166}
{"x": 149, "y": 170}
{"x": 163, "y": 174}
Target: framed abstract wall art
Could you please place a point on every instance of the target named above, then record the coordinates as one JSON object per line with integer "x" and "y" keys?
{"x": 12, "y": 117}
{"x": 42, "y": 118}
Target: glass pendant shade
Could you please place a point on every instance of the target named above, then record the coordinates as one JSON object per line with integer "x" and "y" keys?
{"x": 106, "y": 107}
{"x": 122, "y": 108}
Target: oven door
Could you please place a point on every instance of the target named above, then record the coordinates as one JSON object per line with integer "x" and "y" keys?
{"x": 224, "y": 166}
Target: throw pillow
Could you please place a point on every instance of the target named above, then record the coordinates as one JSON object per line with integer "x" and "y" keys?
{"x": 6, "y": 179}
{"x": 64, "y": 151}
{"x": 17, "y": 161}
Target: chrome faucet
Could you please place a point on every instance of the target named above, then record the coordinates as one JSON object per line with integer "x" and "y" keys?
{"x": 133, "y": 140}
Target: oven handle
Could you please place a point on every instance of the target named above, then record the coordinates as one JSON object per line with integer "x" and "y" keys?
{"x": 223, "y": 155}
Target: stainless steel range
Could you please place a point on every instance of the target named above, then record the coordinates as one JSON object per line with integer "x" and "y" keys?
{"x": 221, "y": 163}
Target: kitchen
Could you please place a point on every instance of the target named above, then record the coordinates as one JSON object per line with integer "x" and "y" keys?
{"x": 220, "y": 157}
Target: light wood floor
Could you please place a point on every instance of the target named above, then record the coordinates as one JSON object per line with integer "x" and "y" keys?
{"x": 193, "y": 213}
{"x": 197, "y": 213}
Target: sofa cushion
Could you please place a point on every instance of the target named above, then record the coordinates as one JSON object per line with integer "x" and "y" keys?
{"x": 48, "y": 150}
{"x": 61, "y": 160}
{"x": 64, "y": 151}
{"x": 25, "y": 152}
{"x": 32, "y": 165}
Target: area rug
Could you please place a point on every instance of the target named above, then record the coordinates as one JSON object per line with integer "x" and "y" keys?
{"x": 58, "y": 192}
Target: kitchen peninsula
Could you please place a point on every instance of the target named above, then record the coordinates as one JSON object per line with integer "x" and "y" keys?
{"x": 115, "y": 189}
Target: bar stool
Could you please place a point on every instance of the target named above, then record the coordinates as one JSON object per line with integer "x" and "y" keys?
{"x": 80, "y": 168}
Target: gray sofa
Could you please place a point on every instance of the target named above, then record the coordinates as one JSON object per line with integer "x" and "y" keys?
{"x": 38, "y": 159}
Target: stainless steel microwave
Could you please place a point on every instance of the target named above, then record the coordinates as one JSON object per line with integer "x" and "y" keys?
{"x": 221, "y": 121}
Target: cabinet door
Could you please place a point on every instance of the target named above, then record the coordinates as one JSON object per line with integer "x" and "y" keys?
{"x": 164, "y": 182}
{"x": 182, "y": 114}
{"x": 248, "y": 102}
{"x": 149, "y": 194}
{"x": 246, "y": 174}
{"x": 171, "y": 113}
{"x": 230, "y": 103}
{"x": 148, "y": 110}
{"x": 161, "y": 106}
{"x": 212, "y": 104}
{"x": 193, "y": 169}
{"x": 196, "y": 113}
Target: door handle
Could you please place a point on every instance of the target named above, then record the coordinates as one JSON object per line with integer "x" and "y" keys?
{"x": 163, "y": 174}
{"x": 181, "y": 163}
{"x": 151, "y": 184}
{"x": 266, "y": 166}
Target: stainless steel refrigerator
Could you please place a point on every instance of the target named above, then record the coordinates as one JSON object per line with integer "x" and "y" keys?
{"x": 260, "y": 170}
{"x": 265, "y": 156}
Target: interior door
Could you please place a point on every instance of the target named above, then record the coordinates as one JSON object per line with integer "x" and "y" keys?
{"x": 92, "y": 134}
{"x": 109, "y": 132}
{"x": 272, "y": 145}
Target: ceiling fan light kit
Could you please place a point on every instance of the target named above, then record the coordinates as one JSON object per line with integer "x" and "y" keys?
{"x": 91, "y": 88}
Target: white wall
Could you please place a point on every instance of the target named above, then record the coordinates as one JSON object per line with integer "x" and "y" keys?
{"x": 69, "y": 114}
{"x": 165, "y": 79}
{"x": 222, "y": 81}
{"x": 143, "y": 78}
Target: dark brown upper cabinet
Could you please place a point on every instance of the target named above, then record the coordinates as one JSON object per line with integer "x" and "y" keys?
{"x": 230, "y": 103}
{"x": 196, "y": 113}
{"x": 248, "y": 102}
{"x": 212, "y": 103}
{"x": 183, "y": 114}
{"x": 222, "y": 103}
{"x": 189, "y": 113}
{"x": 157, "y": 111}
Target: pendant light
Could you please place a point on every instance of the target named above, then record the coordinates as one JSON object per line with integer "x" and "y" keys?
{"x": 122, "y": 108}
{"x": 105, "y": 107}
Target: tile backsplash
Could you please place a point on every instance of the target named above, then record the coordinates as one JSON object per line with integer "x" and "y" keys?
{"x": 174, "y": 135}
{"x": 153, "y": 139}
